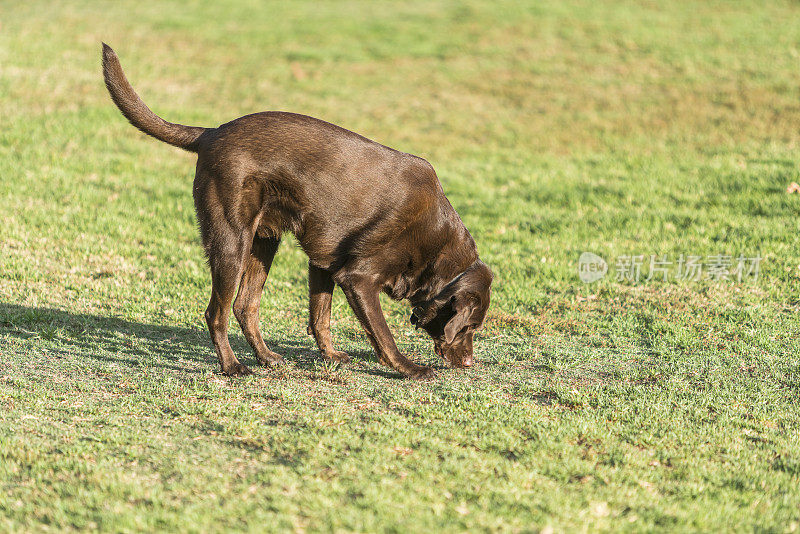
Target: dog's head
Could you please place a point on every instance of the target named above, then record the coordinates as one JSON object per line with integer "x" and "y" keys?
{"x": 452, "y": 317}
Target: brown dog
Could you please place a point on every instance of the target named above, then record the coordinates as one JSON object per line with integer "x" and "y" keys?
{"x": 369, "y": 218}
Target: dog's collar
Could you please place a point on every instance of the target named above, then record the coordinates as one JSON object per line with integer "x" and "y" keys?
{"x": 455, "y": 279}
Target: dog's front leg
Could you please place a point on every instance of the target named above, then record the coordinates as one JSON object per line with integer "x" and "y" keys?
{"x": 363, "y": 298}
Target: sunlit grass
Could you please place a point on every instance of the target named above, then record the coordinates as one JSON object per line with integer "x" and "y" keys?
{"x": 555, "y": 128}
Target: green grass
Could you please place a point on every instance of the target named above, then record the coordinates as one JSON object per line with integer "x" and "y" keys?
{"x": 618, "y": 128}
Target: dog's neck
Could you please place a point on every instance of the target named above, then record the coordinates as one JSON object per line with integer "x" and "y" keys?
{"x": 422, "y": 282}
{"x": 441, "y": 274}
{"x": 455, "y": 279}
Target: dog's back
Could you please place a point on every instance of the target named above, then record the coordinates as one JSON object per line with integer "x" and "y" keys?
{"x": 337, "y": 191}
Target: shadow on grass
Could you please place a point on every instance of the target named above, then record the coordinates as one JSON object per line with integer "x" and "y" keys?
{"x": 135, "y": 345}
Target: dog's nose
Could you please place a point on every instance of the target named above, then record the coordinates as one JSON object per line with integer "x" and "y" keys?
{"x": 467, "y": 361}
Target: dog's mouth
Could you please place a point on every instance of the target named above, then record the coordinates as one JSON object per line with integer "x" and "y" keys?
{"x": 452, "y": 356}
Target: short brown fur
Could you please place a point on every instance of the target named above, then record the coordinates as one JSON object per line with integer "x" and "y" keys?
{"x": 369, "y": 218}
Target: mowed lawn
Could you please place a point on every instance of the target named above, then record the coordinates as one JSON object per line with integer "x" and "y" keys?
{"x": 622, "y": 129}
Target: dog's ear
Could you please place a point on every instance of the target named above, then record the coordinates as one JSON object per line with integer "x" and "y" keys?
{"x": 457, "y": 322}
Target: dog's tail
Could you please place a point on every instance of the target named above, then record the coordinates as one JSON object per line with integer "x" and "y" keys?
{"x": 138, "y": 113}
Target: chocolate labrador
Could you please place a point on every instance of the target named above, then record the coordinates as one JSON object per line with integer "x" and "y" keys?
{"x": 369, "y": 218}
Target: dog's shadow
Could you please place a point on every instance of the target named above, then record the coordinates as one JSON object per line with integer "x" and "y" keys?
{"x": 134, "y": 344}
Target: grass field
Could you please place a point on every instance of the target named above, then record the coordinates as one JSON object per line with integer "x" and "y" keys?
{"x": 623, "y": 129}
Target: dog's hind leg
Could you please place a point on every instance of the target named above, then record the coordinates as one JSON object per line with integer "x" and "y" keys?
{"x": 245, "y": 307}
{"x": 226, "y": 253}
{"x": 320, "y": 293}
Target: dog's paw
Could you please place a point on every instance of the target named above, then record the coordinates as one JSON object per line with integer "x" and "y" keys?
{"x": 337, "y": 356}
{"x": 271, "y": 358}
{"x": 237, "y": 369}
{"x": 419, "y": 372}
